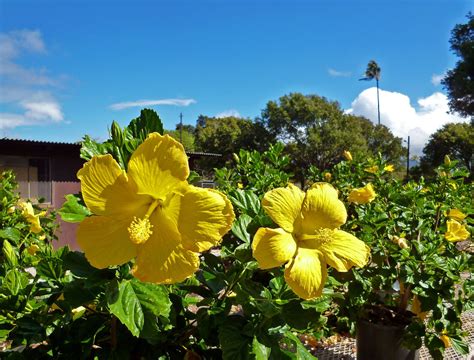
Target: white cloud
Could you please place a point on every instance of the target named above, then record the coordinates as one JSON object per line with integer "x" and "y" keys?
{"x": 141, "y": 103}
{"x": 28, "y": 89}
{"x": 228, "y": 113}
{"x": 403, "y": 119}
{"x": 337, "y": 73}
{"x": 436, "y": 79}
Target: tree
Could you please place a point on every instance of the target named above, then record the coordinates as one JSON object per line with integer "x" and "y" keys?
{"x": 316, "y": 132}
{"x": 228, "y": 135}
{"x": 455, "y": 140}
{"x": 373, "y": 72}
{"x": 459, "y": 82}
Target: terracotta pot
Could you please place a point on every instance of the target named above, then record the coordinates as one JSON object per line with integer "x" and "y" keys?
{"x": 382, "y": 342}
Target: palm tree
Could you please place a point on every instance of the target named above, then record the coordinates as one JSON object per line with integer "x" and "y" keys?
{"x": 373, "y": 72}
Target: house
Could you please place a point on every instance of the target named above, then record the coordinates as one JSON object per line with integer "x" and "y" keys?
{"x": 48, "y": 170}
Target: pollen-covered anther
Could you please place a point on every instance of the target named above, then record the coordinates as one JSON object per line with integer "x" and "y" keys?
{"x": 140, "y": 230}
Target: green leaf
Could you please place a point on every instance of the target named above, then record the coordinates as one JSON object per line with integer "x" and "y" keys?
{"x": 10, "y": 254}
{"x": 14, "y": 281}
{"x": 125, "y": 305}
{"x": 10, "y": 234}
{"x": 72, "y": 211}
{"x": 461, "y": 347}
{"x": 239, "y": 228}
{"x": 51, "y": 268}
{"x": 301, "y": 352}
{"x": 90, "y": 148}
{"x": 146, "y": 123}
{"x": 260, "y": 351}
{"x": 152, "y": 297}
{"x": 235, "y": 345}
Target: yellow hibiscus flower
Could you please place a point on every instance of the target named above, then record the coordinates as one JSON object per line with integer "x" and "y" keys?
{"x": 362, "y": 195}
{"x": 372, "y": 169}
{"x": 445, "y": 339}
{"x": 456, "y": 214}
{"x": 29, "y": 214}
{"x": 389, "y": 168}
{"x": 455, "y": 231}
{"x": 308, "y": 237}
{"x": 347, "y": 155}
{"x": 150, "y": 213}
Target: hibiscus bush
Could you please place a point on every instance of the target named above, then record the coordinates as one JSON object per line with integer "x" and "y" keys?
{"x": 419, "y": 235}
{"x": 245, "y": 271}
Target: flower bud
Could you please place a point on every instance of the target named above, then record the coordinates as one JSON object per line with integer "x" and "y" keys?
{"x": 236, "y": 157}
{"x": 116, "y": 133}
{"x": 327, "y": 176}
{"x": 347, "y": 155}
{"x": 447, "y": 160}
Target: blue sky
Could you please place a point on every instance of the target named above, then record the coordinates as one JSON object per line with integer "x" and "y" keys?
{"x": 69, "y": 61}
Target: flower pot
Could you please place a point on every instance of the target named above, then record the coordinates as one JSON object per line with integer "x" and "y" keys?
{"x": 380, "y": 332}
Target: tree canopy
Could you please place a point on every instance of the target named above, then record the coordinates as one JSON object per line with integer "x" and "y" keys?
{"x": 455, "y": 140}
{"x": 459, "y": 81}
{"x": 316, "y": 131}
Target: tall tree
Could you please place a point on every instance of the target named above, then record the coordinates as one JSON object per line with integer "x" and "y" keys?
{"x": 459, "y": 82}
{"x": 373, "y": 72}
{"x": 455, "y": 140}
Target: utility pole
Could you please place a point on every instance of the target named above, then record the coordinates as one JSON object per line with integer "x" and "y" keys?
{"x": 408, "y": 157}
{"x": 181, "y": 127}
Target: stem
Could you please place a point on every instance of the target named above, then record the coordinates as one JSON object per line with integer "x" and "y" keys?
{"x": 404, "y": 298}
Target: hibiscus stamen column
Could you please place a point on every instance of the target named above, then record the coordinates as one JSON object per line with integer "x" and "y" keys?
{"x": 140, "y": 228}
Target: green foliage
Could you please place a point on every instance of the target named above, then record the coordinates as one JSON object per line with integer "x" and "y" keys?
{"x": 459, "y": 81}
{"x": 455, "y": 140}
{"x": 185, "y": 137}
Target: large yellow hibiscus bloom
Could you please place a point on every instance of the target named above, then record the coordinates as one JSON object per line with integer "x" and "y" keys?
{"x": 150, "y": 213}
{"x": 308, "y": 237}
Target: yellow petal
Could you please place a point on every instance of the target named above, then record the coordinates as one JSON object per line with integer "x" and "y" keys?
{"x": 273, "y": 247}
{"x": 362, "y": 195}
{"x": 416, "y": 308}
{"x": 105, "y": 241}
{"x": 347, "y": 155}
{"x": 344, "y": 251}
{"x": 306, "y": 274}
{"x": 203, "y": 216}
{"x": 455, "y": 231}
{"x": 456, "y": 214}
{"x": 322, "y": 209}
{"x": 372, "y": 169}
{"x": 106, "y": 188}
{"x": 446, "y": 340}
{"x": 389, "y": 168}
{"x": 162, "y": 258}
{"x": 283, "y": 205}
{"x": 35, "y": 226}
{"x": 158, "y": 166}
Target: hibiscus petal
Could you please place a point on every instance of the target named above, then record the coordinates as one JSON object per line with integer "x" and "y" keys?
{"x": 283, "y": 205}
{"x": 273, "y": 247}
{"x": 307, "y": 273}
{"x": 322, "y": 209}
{"x": 107, "y": 190}
{"x": 344, "y": 251}
{"x": 105, "y": 241}
{"x": 202, "y": 216}
{"x": 162, "y": 258}
{"x": 158, "y": 166}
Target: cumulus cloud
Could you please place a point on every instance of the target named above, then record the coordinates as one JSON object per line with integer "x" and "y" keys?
{"x": 141, "y": 103}
{"x": 337, "y": 73}
{"x": 228, "y": 113}
{"x": 403, "y": 119}
{"x": 27, "y": 92}
{"x": 436, "y": 79}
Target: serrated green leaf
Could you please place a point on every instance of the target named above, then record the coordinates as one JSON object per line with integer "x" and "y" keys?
{"x": 260, "y": 351}
{"x": 9, "y": 254}
{"x": 460, "y": 346}
{"x": 146, "y": 123}
{"x": 14, "y": 281}
{"x": 152, "y": 297}
{"x": 10, "y": 234}
{"x": 124, "y": 304}
{"x": 72, "y": 211}
{"x": 234, "y": 344}
{"x": 51, "y": 267}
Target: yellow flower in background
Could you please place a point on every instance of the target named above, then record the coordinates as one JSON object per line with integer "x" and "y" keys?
{"x": 32, "y": 249}
{"x": 455, "y": 231}
{"x": 327, "y": 176}
{"x": 400, "y": 241}
{"x": 447, "y": 160}
{"x": 416, "y": 308}
{"x": 308, "y": 237}
{"x": 150, "y": 213}
{"x": 389, "y": 168}
{"x": 240, "y": 185}
{"x": 29, "y": 214}
{"x": 456, "y": 214}
{"x": 347, "y": 155}
{"x": 42, "y": 237}
{"x": 362, "y": 195}
{"x": 445, "y": 339}
{"x": 373, "y": 169}
{"x": 11, "y": 210}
